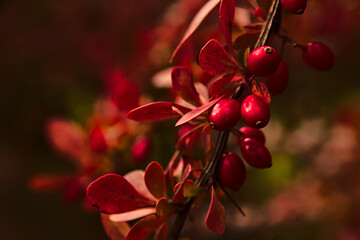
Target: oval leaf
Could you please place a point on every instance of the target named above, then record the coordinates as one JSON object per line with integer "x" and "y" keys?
{"x": 112, "y": 193}
{"x": 198, "y": 111}
{"x": 164, "y": 209}
{"x": 218, "y": 85}
{"x": 155, "y": 111}
{"x": 131, "y": 215}
{"x": 114, "y": 230}
{"x": 215, "y": 218}
{"x": 190, "y": 189}
{"x": 260, "y": 89}
{"x": 214, "y": 59}
{"x": 137, "y": 179}
{"x": 144, "y": 227}
{"x": 155, "y": 180}
{"x": 183, "y": 85}
{"x": 179, "y": 194}
{"x": 199, "y": 17}
{"x": 226, "y": 19}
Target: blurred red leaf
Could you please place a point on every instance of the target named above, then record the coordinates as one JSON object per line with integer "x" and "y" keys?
{"x": 155, "y": 111}
{"x": 161, "y": 232}
{"x": 257, "y": 26}
{"x": 214, "y": 59}
{"x": 260, "y": 89}
{"x": 226, "y": 19}
{"x": 196, "y": 21}
{"x": 131, "y": 215}
{"x": 97, "y": 141}
{"x": 245, "y": 40}
{"x": 218, "y": 85}
{"x": 164, "y": 209}
{"x": 137, "y": 179}
{"x": 179, "y": 195}
{"x": 183, "y": 85}
{"x": 197, "y": 111}
{"x": 155, "y": 180}
{"x": 112, "y": 193}
{"x": 144, "y": 227}
{"x": 114, "y": 230}
{"x": 190, "y": 189}
{"x": 44, "y": 183}
{"x": 215, "y": 218}
{"x": 68, "y": 138}
{"x": 189, "y": 137}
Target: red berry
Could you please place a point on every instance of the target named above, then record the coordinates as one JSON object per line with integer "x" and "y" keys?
{"x": 249, "y": 132}
{"x": 294, "y": 6}
{"x": 97, "y": 141}
{"x": 231, "y": 171}
{"x": 259, "y": 12}
{"x": 263, "y": 61}
{"x": 140, "y": 150}
{"x": 255, "y": 153}
{"x": 255, "y": 112}
{"x": 319, "y": 56}
{"x": 278, "y": 82}
{"x": 225, "y": 114}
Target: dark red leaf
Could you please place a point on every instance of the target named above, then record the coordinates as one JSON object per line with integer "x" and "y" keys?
{"x": 155, "y": 111}
{"x": 198, "y": 111}
{"x": 112, "y": 193}
{"x": 215, "y": 218}
{"x": 183, "y": 85}
{"x": 161, "y": 232}
{"x": 114, "y": 230}
{"x": 260, "y": 89}
{"x": 214, "y": 59}
{"x": 218, "y": 85}
{"x": 137, "y": 179}
{"x": 144, "y": 227}
{"x": 245, "y": 40}
{"x": 155, "y": 180}
{"x": 226, "y": 19}
{"x": 179, "y": 195}
{"x": 164, "y": 209}
{"x": 97, "y": 141}
{"x": 188, "y": 138}
{"x": 199, "y": 17}
{"x": 254, "y": 26}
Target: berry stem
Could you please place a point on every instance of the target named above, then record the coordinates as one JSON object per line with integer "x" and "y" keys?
{"x": 271, "y": 25}
{"x": 231, "y": 199}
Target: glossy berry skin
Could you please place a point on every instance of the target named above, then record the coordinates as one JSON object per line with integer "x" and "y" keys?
{"x": 249, "y": 132}
{"x": 141, "y": 149}
{"x": 255, "y": 112}
{"x": 278, "y": 82}
{"x": 255, "y": 153}
{"x": 263, "y": 61}
{"x": 294, "y": 6}
{"x": 319, "y": 56}
{"x": 225, "y": 114}
{"x": 231, "y": 171}
{"x": 97, "y": 141}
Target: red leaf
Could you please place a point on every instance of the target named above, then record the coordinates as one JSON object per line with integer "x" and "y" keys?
{"x": 155, "y": 111}
{"x": 226, "y": 19}
{"x": 254, "y": 26}
{"x": 45, "y": 183}
{"x": 68, "y": 138}
{"x": 245, "y": 40}
{"x": 112, "y": 193}
{"x": 218, "y": 85}
{"x": 137, "y": 179}
{"x": 97, "y": 141}
{"x": 198, "y": 18}
{"x": 214, "y": 59}
{"x": 179, "y": 195}
{"x": 198, "y": 111}
{"x": 215, "y": 218}
{"x": 260, "y": 89}
{"x": 183, "y": 85}
{"x": 188, "y": 138}
{"x": 164, "y": 209}
{"x": 132, "y": 215}
{"x": 114, "y": 230}
{"x": 162, "y": 232}
{"x": 155, "y": 180}
{"x": 144, "y": 227}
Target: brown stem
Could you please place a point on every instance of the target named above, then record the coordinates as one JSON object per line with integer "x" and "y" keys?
{"x": 271, "y": 24}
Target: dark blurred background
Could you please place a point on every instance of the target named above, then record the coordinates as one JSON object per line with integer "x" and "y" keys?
{"x": 52, "y": 58}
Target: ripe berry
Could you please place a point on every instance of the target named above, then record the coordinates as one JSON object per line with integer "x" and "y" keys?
{"x": 263, "y": 61}
{"x": 255, "y": 112}
{"x": 278, "y": 82}
{"x": 259, "y": 12}
{"x": 294, "y": 6}
{"x": 97, "y": 141}
{"x": 231, "y": 171}
{"x": 225, "y": 114}
{"x": 255, "y": 153}
{"x": 140, "y": 150}
{"x": 249, "y": 132}
{"x": 319, "y": 56}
